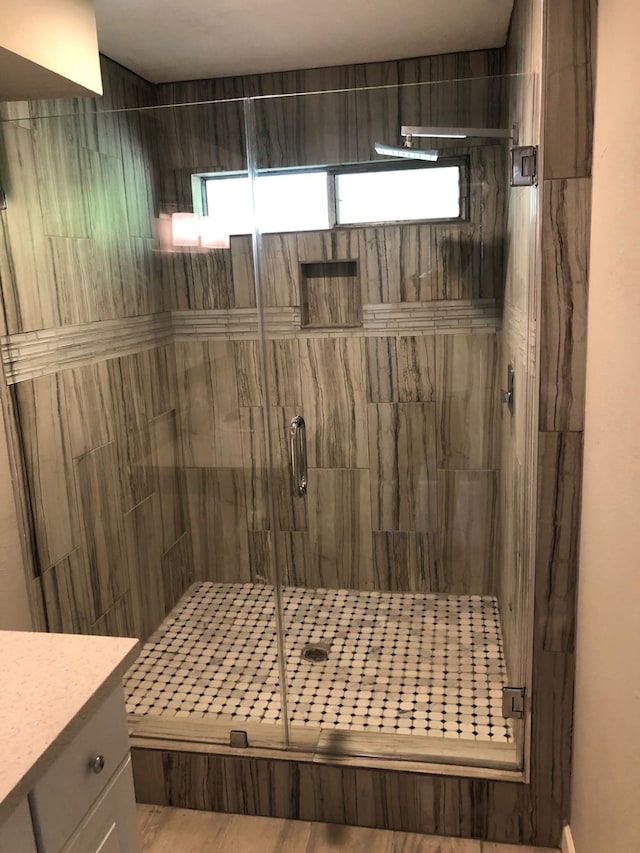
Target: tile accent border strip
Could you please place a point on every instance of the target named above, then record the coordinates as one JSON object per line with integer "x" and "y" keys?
{"x": 31, "y": 354}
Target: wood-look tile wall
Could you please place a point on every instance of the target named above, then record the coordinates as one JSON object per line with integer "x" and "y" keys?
{"x": 106, "y": 492}
{"x": 401, "y": 430}
{"x": 99, "y": 439}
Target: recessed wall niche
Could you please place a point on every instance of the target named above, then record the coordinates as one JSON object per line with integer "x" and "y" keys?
{"x": 330, "y": 294}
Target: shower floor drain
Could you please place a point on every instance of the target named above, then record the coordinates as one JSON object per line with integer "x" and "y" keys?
{"x": 315, "y": 652}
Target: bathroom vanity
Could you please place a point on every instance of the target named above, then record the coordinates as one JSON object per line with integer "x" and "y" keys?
{"x": 65, "y": 775}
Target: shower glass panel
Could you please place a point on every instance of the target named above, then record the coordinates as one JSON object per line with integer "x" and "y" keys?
{"x": 138, "y": 403}
{"x": 271, "y": 445}
{"x": 385, "y": 338}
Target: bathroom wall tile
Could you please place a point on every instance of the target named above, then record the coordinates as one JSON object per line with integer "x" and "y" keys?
{"x": 26, "y": 266}
{"x": 519, "y": 254}
{"x": 100, "y": 132}
{"x": 416, "y": 368}
{"x": 168, "y": 477}
{"x": 569, "y": 58}
{"x": 201, "y": 138}
{"x": 92, "y": 228}
{"x": 136, "y": 139}
{"x": 107, "y": 226}
{"x": 346, "y": 245}
{"x": 418, "y": 264}
{"x": 60, "y": 170}
{"x": 36, "y": 604}
{"x": 467, "y": 400}
{"x": 67, "y": 594}
{"x": 316, "y": 246}
{"x": 161, "y": 386}
{"x": 103, "y": 535}
{"x": 382, "y": 369}
{"x": 402, "y": 451}
{"x": 79, "y": 300}
{"x": 242, "y": 271}
{"x": 208, "y": 404}
{"x": 446, "y": 67}
{"x": 217, "y": 519}
{"x": 283, "y": 369}
{"x": 255, "y": 467}
{"x": 565, "y": 270}
{"x": 552, "y": 725}
{"x": 117, "y": 621}
{"x": 524, "y": 43}
{"x": 467, "y": 512}
{"x": 177, "y": 571}
{"x": 279, "y": 269}
{"x": 401, "y": 368}
{"x": 457, "y": 272}
{"x": 334, "y": 398}
{"x": 89, "y": 406}
{"x": 489, "y": 168}
{"x": 141, "y": 287}
{"x": 197, "y": 280}
{"x": 406, "y": 562}
{"x": 403, "y": 801}
{"x": 559, "y": 500}
{"x": 298, "y": 563}
{"x": 380, "y": 264}
{"x": 248, "y": 372}
{"x": 43, "y": 430}
{"x": 340, "y": 528}
{"x": 143, "y": 532}
{"x": 260, "y": 562}
{"x": 133, "y": 439}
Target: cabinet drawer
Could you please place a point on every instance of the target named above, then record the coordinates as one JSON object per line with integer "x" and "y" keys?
{"x": 65, "y": 793}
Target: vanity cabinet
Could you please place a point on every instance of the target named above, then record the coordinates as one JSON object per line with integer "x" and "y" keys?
{"x": 86, "y": 796}
{"x": 68, "y": 783}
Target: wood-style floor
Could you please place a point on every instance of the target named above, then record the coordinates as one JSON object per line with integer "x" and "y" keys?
{"x": 168, "y": 830}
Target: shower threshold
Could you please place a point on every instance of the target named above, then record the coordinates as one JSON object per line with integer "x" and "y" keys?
{"x": 403, "y": 677}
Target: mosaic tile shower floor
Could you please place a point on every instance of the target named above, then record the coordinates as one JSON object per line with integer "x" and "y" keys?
{"x": 397, "y": 662}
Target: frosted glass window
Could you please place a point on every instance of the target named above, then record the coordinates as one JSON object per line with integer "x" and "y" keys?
{"x": 304, "y": 200}
{"x": 394, "y": 195}
{"x": 294, "y": 201}
{"x": 229, "y": 205}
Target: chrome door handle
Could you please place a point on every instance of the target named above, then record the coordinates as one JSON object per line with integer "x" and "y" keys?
{"x": 298, "y": 444}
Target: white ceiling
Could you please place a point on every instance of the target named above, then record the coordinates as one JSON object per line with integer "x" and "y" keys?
{"x": 166, "y": 40}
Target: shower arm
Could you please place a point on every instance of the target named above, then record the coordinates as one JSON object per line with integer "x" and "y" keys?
{"x": 409, "y": 132}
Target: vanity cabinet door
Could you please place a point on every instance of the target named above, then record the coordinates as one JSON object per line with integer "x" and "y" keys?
{"x": 16, "y": 832}
{"x": 111, "y": 825}
{"x": 76, "y": 780}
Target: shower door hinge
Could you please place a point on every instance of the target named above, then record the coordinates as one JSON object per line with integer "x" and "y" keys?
{"x": 524, "y": 166}
{"x": 513, "y": 702}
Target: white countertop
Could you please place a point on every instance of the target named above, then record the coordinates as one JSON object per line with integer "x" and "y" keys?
{"x": 49, "y": 685}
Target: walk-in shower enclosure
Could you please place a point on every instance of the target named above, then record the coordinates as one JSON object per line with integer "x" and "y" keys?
{"x": 155, "y": 364}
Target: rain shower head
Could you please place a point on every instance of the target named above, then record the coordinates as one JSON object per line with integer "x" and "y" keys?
{"x": 409, "y": 153}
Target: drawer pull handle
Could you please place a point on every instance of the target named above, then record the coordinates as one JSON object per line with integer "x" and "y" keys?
{"x": 97, "y": 763}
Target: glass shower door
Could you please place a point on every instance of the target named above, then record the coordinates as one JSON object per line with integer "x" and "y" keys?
{"x": 135, "y": 380}
{"x": 384, "y": 337}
